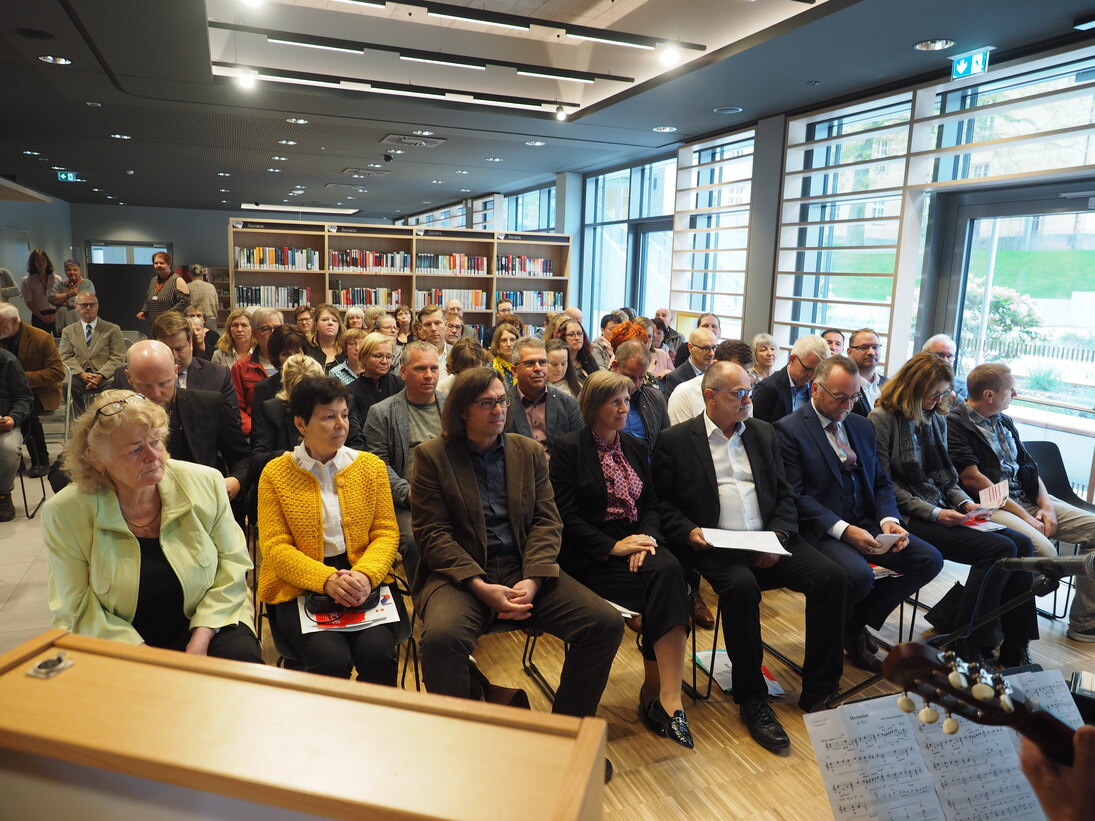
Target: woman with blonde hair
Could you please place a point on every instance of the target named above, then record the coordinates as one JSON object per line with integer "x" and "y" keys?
{"x": 354, "y": 317}
{"x": 143, "y": 549}
{"x": 378, "y": 379}
{"x": 501, "y": 346}
{"x": 764, "y": 358}
{"x": 912, "y": 447}
{"x": 237, "y": 341}
{"x": 326, "y": 338}
{"x": 346, "y": 372}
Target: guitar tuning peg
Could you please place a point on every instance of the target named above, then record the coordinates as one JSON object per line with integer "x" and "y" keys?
{"x": 982, "y": 691}
{"x": 958, "y": 680}
{"x": 1006, "y": 704}
{"x": 950, "y": 725}
{"x": 906, "y": 704}
{"x": 928, "y": 715}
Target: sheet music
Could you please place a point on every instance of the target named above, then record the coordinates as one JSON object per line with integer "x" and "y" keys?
{"x": 870, "y": 763}
{"x": 879, "y": 763}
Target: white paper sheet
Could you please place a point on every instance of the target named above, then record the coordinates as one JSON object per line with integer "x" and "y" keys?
{"x": 759, "y": 541}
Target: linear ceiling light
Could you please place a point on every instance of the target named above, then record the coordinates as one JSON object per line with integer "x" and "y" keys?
{"x": 312, "y": 44}
{"x": 437, "y": 61}
{"x": 315, "y": 209}
{"x": 372, "y": 4}
{"x": 1085, "y": 23}
{"x": 483, "y": 21}
{"x": 546, "y": 76}
{"x": 612, "y": 41}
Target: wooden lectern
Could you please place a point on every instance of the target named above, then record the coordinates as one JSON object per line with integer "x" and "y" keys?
{"x": 135, "y": 732}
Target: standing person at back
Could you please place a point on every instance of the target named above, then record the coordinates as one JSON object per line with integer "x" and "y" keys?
{"x": 37, "y": 287}
{"x": 167, "y": 291}
{"x": 93, "y": 349}
{"x": 203, "y": 295}
{"x": 64, "y": 299}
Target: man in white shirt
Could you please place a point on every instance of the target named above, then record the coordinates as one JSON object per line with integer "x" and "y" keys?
{"x": 723, "y": 470}
{"x": 686, "y": 401}
{"x": 92, "y": 349}
{"x": 865, "y": 349}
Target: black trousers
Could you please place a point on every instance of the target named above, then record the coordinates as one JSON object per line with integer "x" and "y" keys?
{"x": 372, "y": 652}
{"x": 36, "y": 437}
{"x": 453, "y": 620}
{"x": 739, "y": 587}
{"x": 980, "y": 550}
{"x": 236, "y": 642}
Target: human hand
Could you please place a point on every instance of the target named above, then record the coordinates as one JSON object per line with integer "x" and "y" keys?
{"x": 526, "y": 591}
{"x": 6, "y": 423}
{"x": 896, "y": 529}
{"x": 1048, "y": 517}
{"x": 950, "y": 518}
{"x": 1066, "y": 793}
{"x": 1034, "y": 522}
{"x": 232, "y": 485}
{"x": 696, "y": 540}
{"x": 199, "y": 641}
{"x": 636, "y": 543}
{"x": 861, "y": 540}
{"x": 140, "y": 314}
{"x": 763, "y": 560}
{"x": 500, "y": 599}
{"x": 345, "y": 588}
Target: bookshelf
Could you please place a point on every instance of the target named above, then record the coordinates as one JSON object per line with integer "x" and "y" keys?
{"x": 282, "y": 264}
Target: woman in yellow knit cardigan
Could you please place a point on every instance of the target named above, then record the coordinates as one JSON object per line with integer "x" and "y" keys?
{"x": 327, "y": 525}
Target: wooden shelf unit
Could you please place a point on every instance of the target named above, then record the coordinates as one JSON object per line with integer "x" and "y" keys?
{"x": 388, "y": 265}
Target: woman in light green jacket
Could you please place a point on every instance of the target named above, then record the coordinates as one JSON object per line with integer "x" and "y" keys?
{"x": 143, "y": 549}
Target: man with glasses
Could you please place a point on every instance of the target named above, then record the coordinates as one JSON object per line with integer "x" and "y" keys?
{"x": 648, "y": 415}
{"x": 723, "y": 470}
{"x": 701, "y": 353}
{"x": 944, "y": 347}
{"x": 485, "y": 518}
{"x": 687, "y": 400}
{"x": 396, "y": 426}
{"x": 710, "y": 322}
{"x": 536, "y": 409}
{"x": 455, "y": 306}
{"x": 865, "y": 349}
{"x": 454, "y": 328}
{"x": 93, "y": 350}
{"x": 846, "y": 504}
{"x": 788, "y": 389}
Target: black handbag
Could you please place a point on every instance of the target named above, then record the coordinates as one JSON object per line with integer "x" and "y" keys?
{"x": 316, "y": 603}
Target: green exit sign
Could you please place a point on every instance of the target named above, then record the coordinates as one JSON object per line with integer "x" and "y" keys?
{"x": 66, "y": 176}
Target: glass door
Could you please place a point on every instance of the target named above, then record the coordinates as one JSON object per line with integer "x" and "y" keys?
{"x": 653, "y": 266}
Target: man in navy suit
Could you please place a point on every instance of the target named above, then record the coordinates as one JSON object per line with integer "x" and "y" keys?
{"x": 846, "y": 500}
{"x": 722, "y": 470}
{"x": 785, "y": 391}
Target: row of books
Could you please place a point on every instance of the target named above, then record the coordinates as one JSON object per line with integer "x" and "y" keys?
{"x": 534, "y": 300}
{"x": 272, "y": 296}
{"x": 450, "y": 264}
{"x": 372, "y": 262}
{"x": 387, "y": 298}
{"x": 473, "y": 300}
{"x": 285, "y": 258}
{"x": 511, "y": 266}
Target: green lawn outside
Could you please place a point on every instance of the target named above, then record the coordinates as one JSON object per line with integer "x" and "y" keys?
{"x": 1042, "y": 274}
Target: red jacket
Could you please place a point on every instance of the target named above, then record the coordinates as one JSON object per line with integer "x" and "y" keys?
{"x": 247, "y": 373}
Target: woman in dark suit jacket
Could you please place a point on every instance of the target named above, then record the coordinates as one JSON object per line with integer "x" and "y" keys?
{"x": 612, "y": 541}
{"x": 272, "y": 431}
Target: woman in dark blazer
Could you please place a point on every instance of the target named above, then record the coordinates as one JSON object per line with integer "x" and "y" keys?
{"x": 612, "y": 541}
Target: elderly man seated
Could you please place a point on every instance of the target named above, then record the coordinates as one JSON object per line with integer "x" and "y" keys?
{"x": 41, "y": 363}
{"x": 92, "y": 349}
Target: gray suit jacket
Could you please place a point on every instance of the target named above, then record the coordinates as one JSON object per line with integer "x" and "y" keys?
{"x": 561, "y": 416}
{"x": 388, "y": 435}
{"x": 104, "y": 357}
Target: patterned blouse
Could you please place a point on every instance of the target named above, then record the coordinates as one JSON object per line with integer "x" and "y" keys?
{"x": 164, "y": 297}
{"x": 622, "y": 483}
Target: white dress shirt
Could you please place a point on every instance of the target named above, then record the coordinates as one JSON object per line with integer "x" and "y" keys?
{"x": 739, "y": 508}
{"x": 334, "y": 540}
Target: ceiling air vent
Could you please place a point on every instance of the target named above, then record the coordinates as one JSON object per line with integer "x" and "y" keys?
{"x": 366, "y": 172}
{"x": 412, "y": 140}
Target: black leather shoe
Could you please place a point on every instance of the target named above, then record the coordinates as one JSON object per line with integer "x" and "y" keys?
{"x": 37, "y": 470}
{"x": 1014, "y": 654}
{"x": 855, "y": 645}
{"x": 673, "y": 727}
{"x": 810, "y": 702}
{"x": 763, "y": 725}
{"x": 608, "y": 770}
{"x": 868, "y": 640}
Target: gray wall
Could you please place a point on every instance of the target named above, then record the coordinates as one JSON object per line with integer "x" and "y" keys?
{"x": 48, "y": 226}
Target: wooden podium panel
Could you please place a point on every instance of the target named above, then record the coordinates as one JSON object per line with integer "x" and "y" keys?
{"x": 299, "y": 742}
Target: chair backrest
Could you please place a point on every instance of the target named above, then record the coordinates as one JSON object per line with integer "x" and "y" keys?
{"x": 1051, "y": 469}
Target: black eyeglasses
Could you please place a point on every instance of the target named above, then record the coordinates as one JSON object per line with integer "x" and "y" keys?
{"x": 704, "y": 348}
{"x": 840, "y": 397}
{"x": 875, "y": 348}
{"x": 490, "y": 404}
{"x": 114, "y": 408}
{"x": 737, "y": 393}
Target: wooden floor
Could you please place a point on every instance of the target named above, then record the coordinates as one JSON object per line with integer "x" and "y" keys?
{"x": 727, "y": 775}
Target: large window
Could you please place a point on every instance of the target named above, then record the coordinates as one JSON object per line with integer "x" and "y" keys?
{"x": 531, "y": 210}
{"x": 626, "y": 238}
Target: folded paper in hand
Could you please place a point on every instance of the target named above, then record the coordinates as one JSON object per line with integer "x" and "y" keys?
{"x": 760, "y": 541}
{"x": 995, "y": 496}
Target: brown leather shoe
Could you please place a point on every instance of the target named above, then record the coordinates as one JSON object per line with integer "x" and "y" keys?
{"x": 700, "y": 614}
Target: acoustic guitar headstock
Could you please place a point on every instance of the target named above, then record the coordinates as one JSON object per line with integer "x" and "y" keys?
{"x": 975, "y": 692}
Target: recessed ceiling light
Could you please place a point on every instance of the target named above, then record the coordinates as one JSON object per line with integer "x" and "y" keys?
{"x": 296, "y": 120}
{"x": 535, "y": 143}
{"x": 665, "y": 129}
{"x": 494, "y": 159}
{"x": 465, "y": 190}
{"x": 280, "y": 159}
{"x": 274, "y": 170}
{"x": 427, "y": 202}
{"x": 109, "y": 197}
{"x": 285, "y": 200}
{"x": 668, "y": 55}
{"x": 223, "y": 174}
{"x": 396, "y": 151}
{"x": 224, "y": 190}
{"x": 55, "y": 60}
{"x": 121, "y": 203}
{"x": 422, "y": 132}
{"x": 97, "y": 190}
{"x": 93, "y": 104}
{"x": 120, "y": 137}
{"x": 375, "y": 165}
{"x": 728, "y": 109}
{"x": 937, "y": 44}
{"x": 224, "y": 202}
{"x": 438, "y": 182}
{"x": 349, "y": 198}
{"x": 297, "y": 191}
{"x": 58, "y": 168}
{"x": 287, "y": 142}
{"x": 30, "y": 153}
{"x": 460, "y": 171}
{"x": 813, "y": 82}
{"x": 363, "y": 190}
